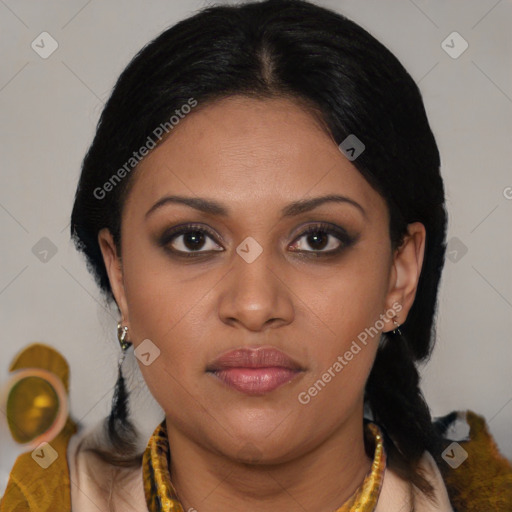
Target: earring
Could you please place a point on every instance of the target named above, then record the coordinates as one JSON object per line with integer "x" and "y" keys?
{"x": 121, "y": 336}
{"x": 117, "y": 420}
{"x": 396, "y": 330}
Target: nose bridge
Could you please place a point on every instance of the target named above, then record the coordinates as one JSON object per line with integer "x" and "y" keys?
{"x": 254, "y": 294}
{"x": 252, "y": 267}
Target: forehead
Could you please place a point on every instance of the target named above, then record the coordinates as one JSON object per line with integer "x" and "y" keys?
{"x": 248, "y": 152}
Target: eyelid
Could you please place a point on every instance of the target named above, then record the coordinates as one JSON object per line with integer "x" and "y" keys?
{"x": 171, "y": 234}
{"x": 338, "y": 232}
{"x": 330, "y": 229}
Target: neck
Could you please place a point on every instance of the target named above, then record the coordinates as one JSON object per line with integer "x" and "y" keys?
{"x": 321, "y": 479}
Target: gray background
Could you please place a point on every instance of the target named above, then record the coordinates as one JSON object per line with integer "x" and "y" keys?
{"x": 49, "y": 109}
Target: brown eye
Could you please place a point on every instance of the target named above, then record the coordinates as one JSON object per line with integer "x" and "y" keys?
{"x": 324, "y": 238}
{"x": 189, "y": 239}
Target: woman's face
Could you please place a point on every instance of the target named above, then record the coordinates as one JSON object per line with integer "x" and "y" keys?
{"x": 246, "y": 274}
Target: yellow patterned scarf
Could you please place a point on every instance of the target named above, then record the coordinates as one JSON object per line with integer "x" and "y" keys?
{"x": 161, "y": 495}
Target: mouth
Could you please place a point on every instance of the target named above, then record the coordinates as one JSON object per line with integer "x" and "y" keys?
{"x": 255, "y": 371}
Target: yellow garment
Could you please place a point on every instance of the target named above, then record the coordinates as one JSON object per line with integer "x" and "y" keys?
{"x": 484, "y": 481}
{"x": 161, "y": 495}
{"x": 35, "y": 489}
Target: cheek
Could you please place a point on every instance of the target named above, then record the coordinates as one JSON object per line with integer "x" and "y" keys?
{"x": 341, "y": 359}
{"x": 159, "y": 297}
{"x": 172, "y": 308}
{"x": 347, "y": 301}
{"x": 342, "y": 314}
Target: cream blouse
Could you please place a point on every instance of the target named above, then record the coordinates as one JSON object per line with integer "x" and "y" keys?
{"x": 98, "y": 486}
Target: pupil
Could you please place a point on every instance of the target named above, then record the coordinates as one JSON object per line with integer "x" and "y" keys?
{"x": 313, "y": 240}
{"x": 193, "y": 240}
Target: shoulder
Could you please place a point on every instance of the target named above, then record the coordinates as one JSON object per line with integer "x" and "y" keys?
{"x": 96, "y": 484}
{"x": 469, "y": 475}
{"x": 397, "y": 494}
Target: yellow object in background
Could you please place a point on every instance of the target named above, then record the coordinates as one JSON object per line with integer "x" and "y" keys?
{"x": 35, "y": 400}
{"x": 32, "y": 406}
{"x": 35, "y": 397}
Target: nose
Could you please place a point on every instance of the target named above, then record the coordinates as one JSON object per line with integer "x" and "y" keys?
{"x": 255, "y": 295}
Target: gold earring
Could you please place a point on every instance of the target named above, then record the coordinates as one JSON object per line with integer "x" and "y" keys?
{"x": 121, "y": 336}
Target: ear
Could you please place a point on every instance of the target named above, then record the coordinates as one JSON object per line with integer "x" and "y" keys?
{"x": 114, "y": 269}
{"x": 405, "y": 273}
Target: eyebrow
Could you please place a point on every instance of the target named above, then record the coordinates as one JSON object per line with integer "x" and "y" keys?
{"x": 213, "y": 207}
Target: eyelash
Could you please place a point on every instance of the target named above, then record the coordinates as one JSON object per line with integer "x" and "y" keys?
{"x": 328, "y": 229}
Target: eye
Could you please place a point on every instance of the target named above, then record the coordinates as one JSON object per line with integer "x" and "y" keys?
{"x": 193, "y": 239}
{"x": 188, "y": 239}
{"x": 324, "y": 238}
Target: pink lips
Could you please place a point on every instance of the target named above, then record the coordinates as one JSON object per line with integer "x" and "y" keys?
{"x": 254, "y": 371}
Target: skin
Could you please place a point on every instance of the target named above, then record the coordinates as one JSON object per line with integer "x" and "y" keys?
{"x": 255, "y": 157}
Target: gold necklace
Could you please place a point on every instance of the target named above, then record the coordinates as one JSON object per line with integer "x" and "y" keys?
{"x": 161, "y": 495}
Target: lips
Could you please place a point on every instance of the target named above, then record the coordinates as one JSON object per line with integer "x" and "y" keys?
{"x": 255, "y": 371}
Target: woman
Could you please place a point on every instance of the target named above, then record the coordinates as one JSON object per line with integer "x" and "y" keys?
{"x": 263, "y": 202}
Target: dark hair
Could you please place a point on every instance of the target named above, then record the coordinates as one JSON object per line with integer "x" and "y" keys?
{"x": 355, "y": 85}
